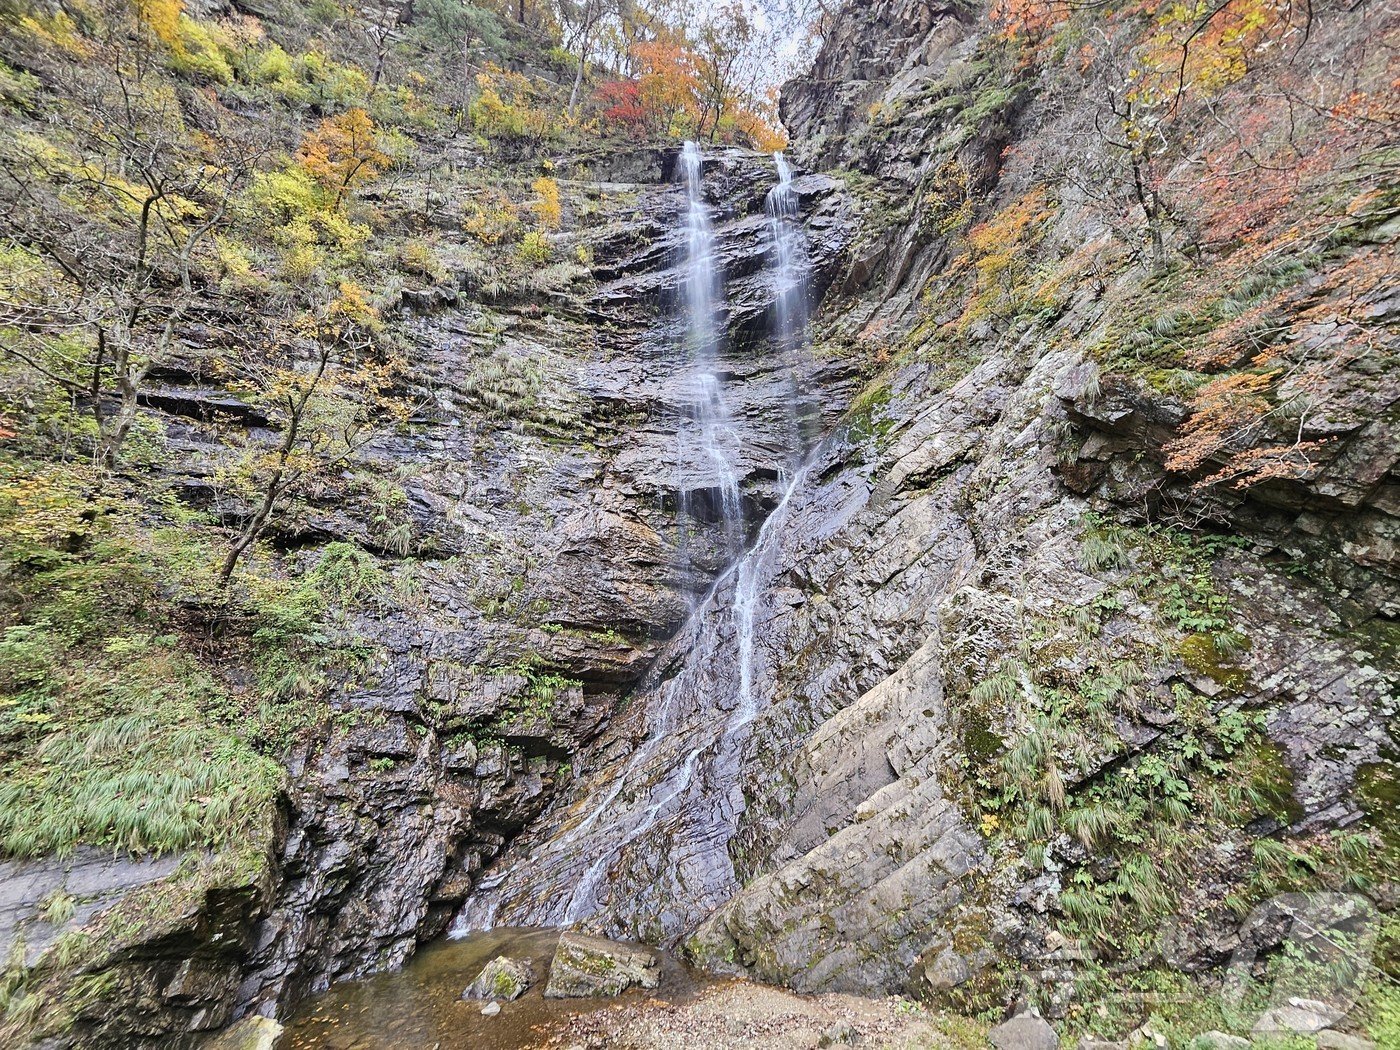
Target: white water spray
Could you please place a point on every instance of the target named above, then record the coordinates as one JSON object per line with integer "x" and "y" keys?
{"x": 701, "y": 293}
{"x": 692, "y": 735}
{"x": 789, "y": 253}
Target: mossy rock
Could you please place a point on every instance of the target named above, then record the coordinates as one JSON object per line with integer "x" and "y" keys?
{"x": 1201, "y": 654}
{"x": 502, "y": 978}
{"x": 591, "y": 967}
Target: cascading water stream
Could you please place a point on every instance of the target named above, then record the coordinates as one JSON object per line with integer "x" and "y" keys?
{"x": 790, "y": 266}
{"x": 714, "y": 433}
{"x": 790, "y": 263}
{"x": 679, "y": 789}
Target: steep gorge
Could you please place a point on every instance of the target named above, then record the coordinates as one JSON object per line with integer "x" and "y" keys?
{"x": 1013, "y": 682}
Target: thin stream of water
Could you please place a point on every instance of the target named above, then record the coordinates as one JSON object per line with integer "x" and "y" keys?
{"x": 562, "y": 879}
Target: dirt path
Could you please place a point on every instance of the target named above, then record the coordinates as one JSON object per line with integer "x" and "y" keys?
{"x": 739, "y": 1014}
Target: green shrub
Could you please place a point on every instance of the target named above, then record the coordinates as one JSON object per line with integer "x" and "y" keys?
{"x": 534, "y": 248}
{"x": 346, "y": 574}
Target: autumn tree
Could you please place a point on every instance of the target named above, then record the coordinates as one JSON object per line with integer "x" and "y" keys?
{"x": 667, "y": 85}
{"x": 342, "y": 152}
{"x": 726, "y": 63}
{"x": 108, "y": 222}
{"x": 326, "y": 387}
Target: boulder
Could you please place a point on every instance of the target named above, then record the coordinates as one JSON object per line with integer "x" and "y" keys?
{"x": 1087, "y": 1042}
{"x": 251, "y": 1033}
{"x": 1147, "y": 1038}
{"x": 1298, "y": 1016}
{"x": 839, "y": 1034}
{"x": 1026, "y": 1031}
{"x": 1330, "y": 1040}
{"x": 946, "y": 970}
{"x": 1219, "y": 1041}
{"x": 587, "y": 967}
{"x": 501, "y": 978}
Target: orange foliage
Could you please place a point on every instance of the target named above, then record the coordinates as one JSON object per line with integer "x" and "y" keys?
{"x": 342, "y": 152}
{"x": 667, "y": 85}
{"x": 1028, "y": 20}
{"x": 667, "y": 97}
{"x": 1225, "y": 410}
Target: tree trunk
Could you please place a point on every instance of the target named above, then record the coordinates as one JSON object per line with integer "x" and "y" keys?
{"x": 573, "y": 95}
{"x": 251, "y": 531}
{"x": 276, "y": 484}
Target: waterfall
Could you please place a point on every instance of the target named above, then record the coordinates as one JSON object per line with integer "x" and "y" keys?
{"x": 790, "y": 264}
{"x": 714, "y": 433}
{"x": 645, "y": 843}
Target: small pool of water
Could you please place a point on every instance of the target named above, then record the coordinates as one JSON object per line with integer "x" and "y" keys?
{"x": 420, "y": 1005}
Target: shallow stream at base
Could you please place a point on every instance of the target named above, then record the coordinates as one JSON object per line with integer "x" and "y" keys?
{"x": 420, "y": 1005}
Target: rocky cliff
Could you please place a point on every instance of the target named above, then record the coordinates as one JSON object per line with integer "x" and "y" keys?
{"x": 1069, "y": 642}
{"x": 1042, "y": 678}
{"x": 1051, "y": 680}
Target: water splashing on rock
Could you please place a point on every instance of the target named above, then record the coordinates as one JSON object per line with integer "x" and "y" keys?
{"x": 712, "y": 430}
{"x": 641, "y": 849}
{"x": 790, "y": 265}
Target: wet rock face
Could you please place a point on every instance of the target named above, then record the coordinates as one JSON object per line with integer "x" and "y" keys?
{"x": 572, "y": 566}
{"x": 590, "y": 967}
{"x": 538, "y": 535}
{"x": 40, "y": 900}
{"x": 251, "y": 1033}
{"x": 837, "y": 841}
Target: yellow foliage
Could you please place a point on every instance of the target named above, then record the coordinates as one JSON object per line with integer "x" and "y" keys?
{"x": 547, "y": 206}
{"x": 534, "y": 247}
{"x": 203, "y": 50}
{"x": 352, "y": 307}
{"x": 306, "y": 79}
{"x": 58, "y": 30}
{"x": 492, "y": 218}
{"x": 49, "y": 506}
{"x": 301, "y": 262}
{"x": 763, "y": 135}
{"x": 162, "y": 18}
{"x": 343, "y": 152}
{"x": 999, "y": 255}
{"x": 1204, "y": 46}
{"x": 504, "y": 106}
{"x": 236, "y": 260}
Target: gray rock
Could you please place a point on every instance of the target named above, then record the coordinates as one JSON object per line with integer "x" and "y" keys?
{"x": 1331, "y": 1040}
{"x": 491, "y": 1009}
{"x": 251, "y": 1033}
{"x": 1027, "y": 1031}
{"x": 1090, "y": 1043}
{"x": 841, "y": 1034}
{"x": 1301, "y": 1016}
{"x": 501, "y": 978}
{"x": 1147, "y": 1038}
{"x": 946, "y": 970}
{"x": 1219, "y": 1041}
{"x": 586, "y": 966}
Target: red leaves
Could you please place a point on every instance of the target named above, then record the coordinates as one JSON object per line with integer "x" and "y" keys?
{"x": 622, "y": 105}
